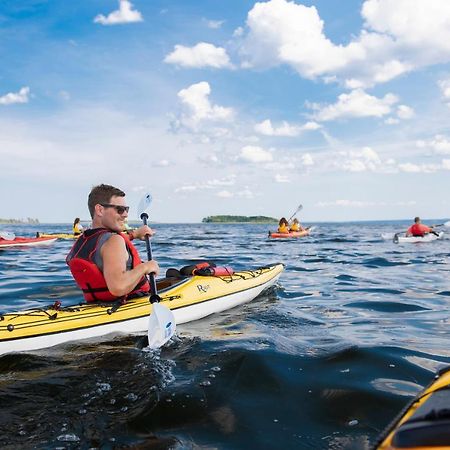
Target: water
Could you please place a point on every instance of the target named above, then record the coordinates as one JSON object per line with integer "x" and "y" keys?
{"x": 354, "y": 329}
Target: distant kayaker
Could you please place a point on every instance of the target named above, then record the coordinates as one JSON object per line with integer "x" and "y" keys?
{"x": 296, "y": 226}
{"x": 77, "y": 227}
{"x": 418, "y": 229}
{"x": 283, "y": 226}
{"x": 103, "y": 261}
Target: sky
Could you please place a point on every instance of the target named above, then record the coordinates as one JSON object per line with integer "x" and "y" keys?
{"x": 226, "y": 107}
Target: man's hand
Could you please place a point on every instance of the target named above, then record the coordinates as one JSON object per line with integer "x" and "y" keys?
{"x": 143, "y": 230}
{"x": 151, "y": 267}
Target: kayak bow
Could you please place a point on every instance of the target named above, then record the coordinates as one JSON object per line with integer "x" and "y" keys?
{"x": 425, "y": 422}
{"x": 26, "y": 242}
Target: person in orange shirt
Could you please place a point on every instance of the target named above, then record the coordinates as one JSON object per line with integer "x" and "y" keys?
{"x": 418, "y": 229}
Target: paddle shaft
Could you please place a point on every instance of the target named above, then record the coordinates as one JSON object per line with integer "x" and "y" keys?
{"x": 154, "y": 297}
{"x": 296, "y": 211}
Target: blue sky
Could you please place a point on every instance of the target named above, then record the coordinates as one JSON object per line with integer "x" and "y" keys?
{"x": 235, "y": 107}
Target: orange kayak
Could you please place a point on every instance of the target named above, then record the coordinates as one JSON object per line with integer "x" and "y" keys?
{"x": 25, "y": 242}
{"x": 291, "y": 234}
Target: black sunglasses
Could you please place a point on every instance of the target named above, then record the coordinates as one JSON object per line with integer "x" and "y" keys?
{"x": 119, "y": 208}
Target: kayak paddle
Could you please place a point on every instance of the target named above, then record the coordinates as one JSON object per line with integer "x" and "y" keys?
{"x": 161, "y": 323}
{"x": 446, "y": 224}
{"x": 296, "y": 211}
{"x": 7, "y": 235}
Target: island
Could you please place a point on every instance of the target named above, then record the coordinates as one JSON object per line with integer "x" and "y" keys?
{"x": 239, "y": 219}
{"x": 28, "y": 220}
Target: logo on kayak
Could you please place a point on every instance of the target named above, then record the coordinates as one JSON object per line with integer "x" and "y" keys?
{"x": 203, "y": 287}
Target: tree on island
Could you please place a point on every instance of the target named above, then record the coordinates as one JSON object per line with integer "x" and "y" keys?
{"x": 239, "y": 219}
{"x": 28, "y": 220}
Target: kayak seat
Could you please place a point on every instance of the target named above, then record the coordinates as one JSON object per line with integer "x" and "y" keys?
{"x": 174, "y": 273}
{"x": 430, "y": 424}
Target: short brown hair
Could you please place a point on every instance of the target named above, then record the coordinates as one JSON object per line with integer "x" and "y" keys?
{"x": 102, "y": 194}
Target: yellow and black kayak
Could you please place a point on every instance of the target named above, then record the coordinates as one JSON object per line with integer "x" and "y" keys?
{"x": 425, "y": 423}
{"x": 189, "y": 297}
{"x": 58, "y": 235}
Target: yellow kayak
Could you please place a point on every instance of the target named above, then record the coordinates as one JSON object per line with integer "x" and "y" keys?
{"x": 58, "y": 235}
{"x": 425, "y": 422}
{"x": 189, "y": 297}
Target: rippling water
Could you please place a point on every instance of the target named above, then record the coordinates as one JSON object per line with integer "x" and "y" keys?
{"x": 354, "y": 329}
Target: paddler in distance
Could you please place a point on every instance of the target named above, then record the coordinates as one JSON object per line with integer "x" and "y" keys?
{"x": 77, "y": 228}
{"x": 296, "y": 226}
{"x": 283, "y": 226}
{"x": 103, "y": 261}
{"x": 419, "y": 229}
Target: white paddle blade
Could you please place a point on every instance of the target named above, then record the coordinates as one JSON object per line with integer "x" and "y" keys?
{"x": 145, "y": 203}
{"x": 8, "y": 235}
{"x": 161, "y": 326}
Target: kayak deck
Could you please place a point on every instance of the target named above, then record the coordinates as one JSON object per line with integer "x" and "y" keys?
{"x": 58, "y": 235}
{"x": 425, "y": 422}
{"x": 189, "y": 298}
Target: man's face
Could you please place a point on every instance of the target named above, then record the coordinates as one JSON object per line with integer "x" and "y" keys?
{"x": 114, "y": 213}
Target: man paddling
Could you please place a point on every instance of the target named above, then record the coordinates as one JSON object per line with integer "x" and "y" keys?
{"x": 103, "y": 261}
{"x": 419, "y": 229}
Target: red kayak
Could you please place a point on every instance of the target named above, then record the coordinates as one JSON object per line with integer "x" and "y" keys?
{"x": 25, "y": 241}
{"x": 291, "y": 234}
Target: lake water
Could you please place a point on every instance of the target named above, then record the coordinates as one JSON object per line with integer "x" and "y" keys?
{"x": 354, "y": 329}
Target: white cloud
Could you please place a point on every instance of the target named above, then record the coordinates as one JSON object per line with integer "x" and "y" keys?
{"x": 125, "y": 14}
{"x": 396, "y": 38}
{"x": 255, "y": 154}
{"x": 201, "y": 55}
{"x": 214, "y": 24}
{"x": 440, "y": 144}
{"x": 15, "y": 97}
{"x": 198, "y": 109}
{"x": 370, "y": 155}
{"x": 364, "y": 160}
{"x": 187, "y": 188}
{"x": 405, "y": 112}
{"x": 163, "y": 163}
{"x": 246, "y": 193}
{"x": 225, "y": 194}
{"x": 307, "y": 160}
{"x": 362, "y": 204}
{"x": 446, "y": 164}
{"x": 208, "y": 184}
{"x": 418, "y": 168}
{"x": 354, "y": 165}
{"x": 282, "y": 178}
{"x": 285, "y": 129}
{"x": 356, "y": 104}
{"x": 445, "y": 88}
{"x": 391, "y": 121}
{"x": 226, "y": 181}
{"x": 347, "y": 203}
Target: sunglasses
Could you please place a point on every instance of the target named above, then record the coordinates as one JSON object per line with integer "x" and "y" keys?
{"x": 119, "y": 208}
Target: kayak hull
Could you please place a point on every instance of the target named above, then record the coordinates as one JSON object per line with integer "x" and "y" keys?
{"x": 290, "y": 235}
{"x": 189, "y": 299}
{"x": 26, "y": 242}
{"x": 415, "y": 239}
{"x": 424, "y": 423}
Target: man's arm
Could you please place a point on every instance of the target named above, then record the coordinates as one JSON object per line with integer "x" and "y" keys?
{"x": 119, "y": 280}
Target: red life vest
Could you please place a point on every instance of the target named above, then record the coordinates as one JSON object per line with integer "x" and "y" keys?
{"x": 418, "y": 229}
{"x": 88, "y": 276}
